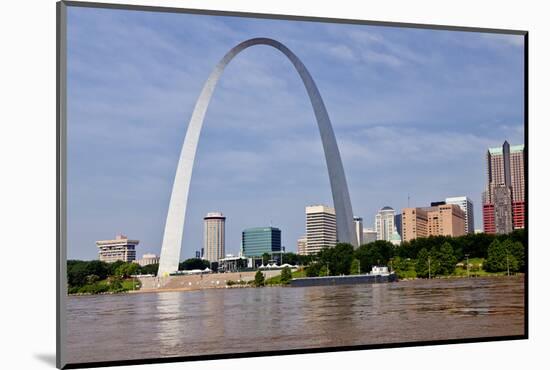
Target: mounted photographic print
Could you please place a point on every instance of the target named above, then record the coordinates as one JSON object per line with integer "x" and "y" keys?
{"x": 235, "y": 184}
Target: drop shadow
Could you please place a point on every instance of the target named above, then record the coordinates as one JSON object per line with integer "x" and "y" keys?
{"x": 47, "y": 358}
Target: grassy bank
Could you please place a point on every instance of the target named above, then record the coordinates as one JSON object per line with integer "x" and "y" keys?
{"x": 276, "y": 280}
{"x": 407, "y": 270}
{"x": 106, "y": 286}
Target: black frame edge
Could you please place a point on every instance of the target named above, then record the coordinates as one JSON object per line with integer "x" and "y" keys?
{"x": 61, "y": 183}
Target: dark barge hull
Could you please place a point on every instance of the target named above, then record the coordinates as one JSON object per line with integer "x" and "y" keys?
{"x": 343, "y": 280}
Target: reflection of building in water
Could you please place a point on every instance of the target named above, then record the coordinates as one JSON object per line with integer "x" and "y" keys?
{"x": 119, "y": 249}
{"x": 169, "y": 316}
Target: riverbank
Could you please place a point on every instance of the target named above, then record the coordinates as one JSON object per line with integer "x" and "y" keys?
{"x": 187, "y": 283}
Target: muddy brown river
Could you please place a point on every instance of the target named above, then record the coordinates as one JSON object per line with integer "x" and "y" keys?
{"x": 217, "y": 321}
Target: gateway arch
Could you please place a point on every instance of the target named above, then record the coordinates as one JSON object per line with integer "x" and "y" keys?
{"x": 175, "y": 219}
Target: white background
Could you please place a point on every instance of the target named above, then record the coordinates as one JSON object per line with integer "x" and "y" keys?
{"x": 27, "y": 183}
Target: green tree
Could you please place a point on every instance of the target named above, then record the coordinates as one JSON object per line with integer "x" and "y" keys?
{"x": 496, "y": 257}
{"x": 324, "y": 271}
{"x": 304, "y": 260}
{"x": 265, "y": 258}
{"x": 313, "y": 269}
{"x": 354, "y": 269}
{"x": 286, "y": 275}
{"x": 99, "y": 268}
{"x": 92, "y": 279}
{"x": 404, "y": 267}
{"x": 375, "y": 253}
{"x": 76, "y": 273}
{"x": 517, "y": 250}
{"x": 127, "y": 269}
{"x": 339, "y": 258}
{"x": 259, "y": 279}
{"x": 447, "y": 259}
{"x": 115, "y": 284}
{"x": 113, "y": 267}
{"x": 149, "y": 269}
{"x": 290, "y": 258}
{"x": 422, "y": 268}
{"x": 193, "y": 264}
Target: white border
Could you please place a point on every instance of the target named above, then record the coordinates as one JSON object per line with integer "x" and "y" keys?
{"x": 27, "y": 152}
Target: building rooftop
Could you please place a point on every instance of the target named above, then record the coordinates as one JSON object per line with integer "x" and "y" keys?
{"x": 513, "y": 149}
{"x": 265, "y": 228}
{"x": 387, "y": 208}
{"x": 320, "y": 209}
{"x": 118, "y": 240}
{"x": 214, "y": 215}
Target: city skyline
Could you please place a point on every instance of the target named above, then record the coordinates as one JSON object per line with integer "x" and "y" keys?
{"x": 374, "y": 80}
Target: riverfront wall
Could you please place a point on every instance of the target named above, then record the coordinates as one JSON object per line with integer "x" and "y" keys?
{"x": 343, "y": 280}
{"x": 195, "y": 282}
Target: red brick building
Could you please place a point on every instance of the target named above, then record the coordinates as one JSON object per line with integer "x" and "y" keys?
{"x": 505, "y": 171}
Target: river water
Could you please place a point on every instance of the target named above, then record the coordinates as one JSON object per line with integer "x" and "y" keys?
{"x": 216, "y": 321}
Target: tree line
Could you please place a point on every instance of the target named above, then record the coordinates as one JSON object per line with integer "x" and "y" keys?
{"x": 99, "y": 277}
{"x": 422, "y": 257}
{"x": 435, "y": 255}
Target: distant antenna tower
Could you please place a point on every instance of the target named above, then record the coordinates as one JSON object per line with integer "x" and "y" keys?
{"x": 408, "y": 201}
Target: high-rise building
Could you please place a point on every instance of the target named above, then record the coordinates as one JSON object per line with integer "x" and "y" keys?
{"x": 502, "y": 199}
{"x": 369, "y": 235}
{"x": 358, "y": 221}
{"x": 302, "y": 245}
{"x": 214, "y": 236}
{"x": 259, "y": 240}
{"x": 467, "y": 206}
{"x": 384, "y": 225}
{"x": 398, "y": 221}
{"x": 119, "y": 249}
{"x": 320, "y": 228}
{"x": 446, "y": 219}
{"x": 505, "y": 179}
{"x": 415, "y": 223}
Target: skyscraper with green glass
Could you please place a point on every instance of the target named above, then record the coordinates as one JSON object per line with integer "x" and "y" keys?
{"x": 259, "y": 240}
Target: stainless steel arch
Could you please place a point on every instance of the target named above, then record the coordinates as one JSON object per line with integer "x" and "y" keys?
{"x": 175, "y": 219}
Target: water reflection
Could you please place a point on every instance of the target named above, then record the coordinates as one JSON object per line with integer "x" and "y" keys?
{"x": 118, "y": 327}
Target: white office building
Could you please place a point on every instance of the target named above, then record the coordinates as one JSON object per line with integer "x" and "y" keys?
{"x": 148, "y": 259}
{"x": 369, "y": 235}
{"x": 467, "y": 207}
{"x": 320, "y": 228}
{"x": 384, "y": 225}
{"x": 302, "y": 245}
{"x": 118, "y": 249}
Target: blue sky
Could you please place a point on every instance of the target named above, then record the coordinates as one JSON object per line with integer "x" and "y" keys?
{"x": 413, "y": 111}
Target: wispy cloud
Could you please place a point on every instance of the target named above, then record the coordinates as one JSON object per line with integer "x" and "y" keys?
{"x": 414, "y": 107}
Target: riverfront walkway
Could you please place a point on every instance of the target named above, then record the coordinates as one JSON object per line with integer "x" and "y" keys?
{"x": 199, "y": 281}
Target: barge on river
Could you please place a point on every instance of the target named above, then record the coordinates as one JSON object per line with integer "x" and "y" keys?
{"x": 376, "y": 276}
